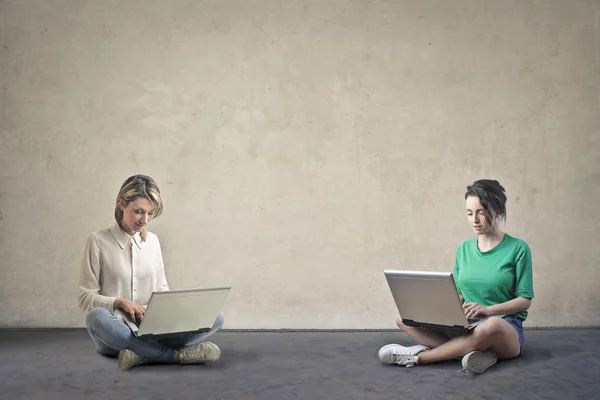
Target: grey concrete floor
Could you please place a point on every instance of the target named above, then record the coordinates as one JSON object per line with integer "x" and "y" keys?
{"x": 54, "y": 364}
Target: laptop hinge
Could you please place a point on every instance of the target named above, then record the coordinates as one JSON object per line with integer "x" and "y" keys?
{"x": 459, "y": 328}
{"x": 162, "y": 335}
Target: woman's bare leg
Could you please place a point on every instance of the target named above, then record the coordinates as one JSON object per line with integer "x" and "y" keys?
{"x": 495, "y": 334}
{"x": 425, "y": 337}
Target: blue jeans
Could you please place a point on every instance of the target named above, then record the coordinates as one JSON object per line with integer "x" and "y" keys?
{"x": 110, "y": 335}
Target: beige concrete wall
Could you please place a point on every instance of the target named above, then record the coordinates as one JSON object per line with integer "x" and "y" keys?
{"x": 301, "y": 147}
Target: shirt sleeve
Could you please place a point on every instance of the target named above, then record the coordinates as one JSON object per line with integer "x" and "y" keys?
{"x": 524, "y": 273}
{"x": 89, "y": 286}
{"x": 456, "y": 271}
{"x": 161, "y": 279}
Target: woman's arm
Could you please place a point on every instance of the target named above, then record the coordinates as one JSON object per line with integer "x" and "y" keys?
{"x": 507, "y": 308}
{"x": 510, "y": 307}
{"x": 161, "y": 279}
{"x": 89, "y": 287}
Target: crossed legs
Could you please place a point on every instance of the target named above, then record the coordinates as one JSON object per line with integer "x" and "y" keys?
{"x": 494, "y": 334}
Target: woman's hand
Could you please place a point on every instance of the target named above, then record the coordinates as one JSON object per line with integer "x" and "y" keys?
{"x": 476, "y": 310}
{"x": 134, "y": 310}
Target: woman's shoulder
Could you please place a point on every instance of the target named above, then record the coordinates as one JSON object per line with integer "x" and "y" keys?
{"x": 98, "y": 239}
{"x": 152, "y": 238}
{"x": 100, "y": 234}
{"x": 109, "y": 235}
{"x": 467, "y": 245}
{"x": 515, "y": 242}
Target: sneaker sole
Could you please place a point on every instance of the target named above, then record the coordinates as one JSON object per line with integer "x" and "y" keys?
{"x": 479, "y": 362}
{"x": 124, "y": 361}
{"x": 214, "y": 348}
{"x": 383, "y": 349}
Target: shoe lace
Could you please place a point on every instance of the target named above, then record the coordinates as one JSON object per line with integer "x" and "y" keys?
{"x": 196, "y": 352}
{"x": 403, "y": 359}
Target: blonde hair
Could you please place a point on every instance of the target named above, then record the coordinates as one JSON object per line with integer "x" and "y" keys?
{"x": 134, "y": 187}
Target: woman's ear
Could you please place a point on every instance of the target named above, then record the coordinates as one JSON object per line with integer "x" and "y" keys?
{"x": 121, "y": 205}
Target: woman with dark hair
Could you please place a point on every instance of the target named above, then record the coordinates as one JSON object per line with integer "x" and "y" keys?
{"x": 493, "y": 275}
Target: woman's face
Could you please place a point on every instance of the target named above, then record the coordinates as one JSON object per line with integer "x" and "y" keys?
{"x": 137, "y": 214}
{"x": 476, "y": 216}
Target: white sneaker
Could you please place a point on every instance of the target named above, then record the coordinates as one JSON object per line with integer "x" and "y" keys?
{"x": 400, "y": 355}
{"x": 128, "y": 359}
{"x": 478, "y": 361}
{"x": 200, "y": 353}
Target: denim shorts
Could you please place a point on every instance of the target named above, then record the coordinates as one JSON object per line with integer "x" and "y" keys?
{"x": 517, "y": 323}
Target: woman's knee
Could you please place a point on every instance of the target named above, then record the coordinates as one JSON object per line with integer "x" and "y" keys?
{"x": 220, "y": 320}
{"x": 488, "y": 330}
{"x": 104, "y": 327}
{"x": 96, "y": 316}
{"x": 400, "y": 325}
{"x": 102, "y": 322}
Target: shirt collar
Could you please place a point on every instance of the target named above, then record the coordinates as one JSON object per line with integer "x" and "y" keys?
{"x": 123, "y": 237}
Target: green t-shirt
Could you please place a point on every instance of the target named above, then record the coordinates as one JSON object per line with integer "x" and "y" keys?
{"x": 495, "y": 276}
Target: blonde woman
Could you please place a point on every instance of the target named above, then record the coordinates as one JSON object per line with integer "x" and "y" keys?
{"x": 121, "y": 267}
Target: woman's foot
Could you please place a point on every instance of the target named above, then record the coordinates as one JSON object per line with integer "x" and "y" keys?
{"x": 478, "y": 361}
{"x": 128, "y": 359}
{"x": 401, "y": 355}
{"x": 200, "y": 353}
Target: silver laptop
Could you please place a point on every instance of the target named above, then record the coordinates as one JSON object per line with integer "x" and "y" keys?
{"x": 179, "y": 311}
{"x": 429, "y": 300}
